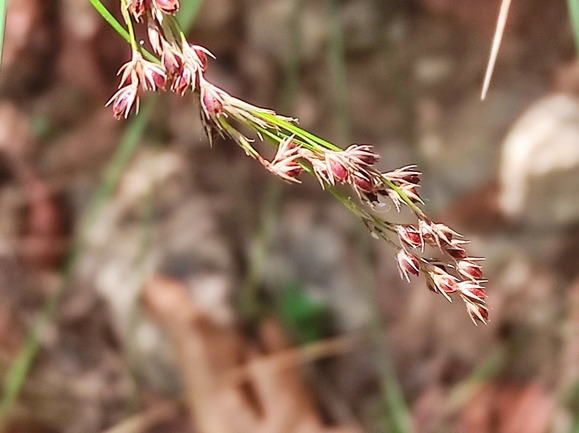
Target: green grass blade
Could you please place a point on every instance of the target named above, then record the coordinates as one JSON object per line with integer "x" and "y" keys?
{"x": 3, "y": 5}
{"x": 574, "y": 16}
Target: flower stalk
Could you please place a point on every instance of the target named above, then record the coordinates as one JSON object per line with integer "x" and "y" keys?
{"x": 180, "y": 68}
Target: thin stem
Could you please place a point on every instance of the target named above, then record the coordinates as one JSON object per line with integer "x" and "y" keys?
{"x": 129, "y": 22}
{"x": 293, "y": 129}
{"x": 239, "y": 138}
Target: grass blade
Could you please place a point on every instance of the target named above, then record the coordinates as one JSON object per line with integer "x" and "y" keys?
{"x": 574, "y": 15}
{"x": 500, "y": 30}
{"x": 3, "y": 5}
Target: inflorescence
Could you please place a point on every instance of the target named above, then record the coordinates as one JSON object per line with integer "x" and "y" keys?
{"x": 181, "y": 69}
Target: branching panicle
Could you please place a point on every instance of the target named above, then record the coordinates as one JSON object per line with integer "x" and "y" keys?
{"x": 181, "y": 69}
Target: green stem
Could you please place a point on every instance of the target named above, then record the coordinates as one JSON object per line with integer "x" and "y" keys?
{"x": 129, "y": 22}
{"x": 293, "y": 129}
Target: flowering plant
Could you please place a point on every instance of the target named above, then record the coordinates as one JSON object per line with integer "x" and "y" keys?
{"x": 179, "y": 66}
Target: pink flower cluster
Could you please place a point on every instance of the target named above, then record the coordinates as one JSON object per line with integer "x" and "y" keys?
{"x": 181, "y": 66}
{"x": 454, "y": 273}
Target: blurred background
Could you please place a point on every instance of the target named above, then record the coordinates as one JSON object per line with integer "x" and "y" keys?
{"x": 149, "y": 282}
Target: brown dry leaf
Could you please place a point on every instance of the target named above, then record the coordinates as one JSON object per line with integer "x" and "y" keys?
{"x": 274, "y": 397}
{"x": 508, "y": 409}
{"x": 203, "y": 350}
{"x": 146, "y": 420}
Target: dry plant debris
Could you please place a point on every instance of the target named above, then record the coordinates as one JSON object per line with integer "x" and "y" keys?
{"x": 231, "y": 386}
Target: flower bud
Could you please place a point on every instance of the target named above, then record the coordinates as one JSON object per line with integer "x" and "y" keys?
{"x": 410, "y": 236}
{"x": 363, "y": 182}
{"x": 411, "y": 192}
{"x": 137, "y": 9}
{"x": 455, "y": 251}
{"x": 472, "y": 291}
{"x": 408, "y": 264}
{"x": 362, "y": 154}
{"x": 477, "y": 312}
{"x": 167, "y": 6}
{"x": 153, "y": 76}
{"x": 469, "y": 269}
{"x": 338, "y": 170}
{"x": 155, "y": 38}
{"x": 183, "y": 82}
{"x": 438, "y": 280}
{"x": 210, "y": 102}
{"x": 172, "y": 61}
{"x": 405, "y": 175}
{"x": 202, "y": 56}
{"x": 124, "y": 100}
